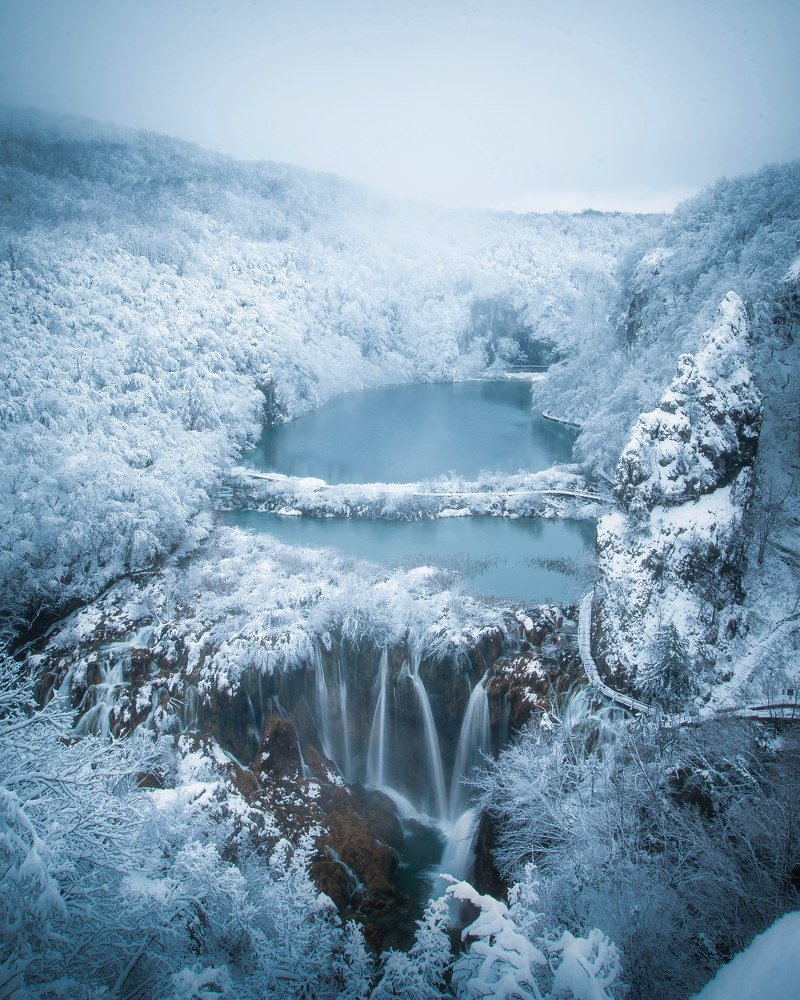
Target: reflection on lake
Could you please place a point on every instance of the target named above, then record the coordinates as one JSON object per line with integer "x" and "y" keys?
{"x": 405, "y": 433}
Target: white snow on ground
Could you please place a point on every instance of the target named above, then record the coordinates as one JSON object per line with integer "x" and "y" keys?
{"x": 768, "y": 969}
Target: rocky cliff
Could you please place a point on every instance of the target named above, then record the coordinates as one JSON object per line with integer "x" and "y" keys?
{"x": 671, "y": 557}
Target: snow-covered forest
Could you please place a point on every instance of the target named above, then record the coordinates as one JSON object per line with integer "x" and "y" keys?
{"x": 183, "y": 296}
{"x": 191, "y": 717}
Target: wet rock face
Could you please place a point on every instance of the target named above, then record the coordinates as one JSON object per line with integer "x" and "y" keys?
{"x": 269, "y": 743}
{"x": 359, "y": 835}
{"x": 278, "y": 757}
{"x": 526, "y": 683}
{"x": 358, "y": 852}
{"x": 485, "y": 876}
{"x": 674, "y": 554}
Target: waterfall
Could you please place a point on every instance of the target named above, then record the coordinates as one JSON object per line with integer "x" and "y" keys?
{"x": 323, "y": 703}
{"x": 458, "y": 852}
{"x": 345, "y": 722}
{"x": 256, "y": 727}
{"x": 97, "y": 719}
{"x": 376, "y": 754}
{"x": 405, "y": 807}
{"x": 191, "y": 708}
{"x": 505, "y": 725}
{"x": 63, "y": 690}
{"x": 305, "y": 770}
{"x": 155, "y": 700}
{"x": 433, "y": 753}
{"x": 473, "y": 741}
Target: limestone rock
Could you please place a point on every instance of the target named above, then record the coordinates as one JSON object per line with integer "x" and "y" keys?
{"x": 674, "y": 552}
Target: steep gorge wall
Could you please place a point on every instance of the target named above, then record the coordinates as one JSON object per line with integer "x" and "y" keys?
{"x": 673, "y": 555}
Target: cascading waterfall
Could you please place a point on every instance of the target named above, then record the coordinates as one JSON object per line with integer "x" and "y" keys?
{"x": 255, "y": 726}
{"x": 323, "y": 703}
{"x": 97, "y": 719}
{"x": 376, "y": 754}
{"x": 63, "y": 690}
{"x": 457, "y": 856}
{"x": 505, "y": 726}
{"x": 433, "y": 752}
{"x": 344, "y": 722}
{"x": 305, "y": 770}
{"x": 473, "y": 741}
{"x": 191, "y": 708}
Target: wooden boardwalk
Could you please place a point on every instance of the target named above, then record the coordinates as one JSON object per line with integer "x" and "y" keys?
{"x": 585, "y": 650}
{"x": 778, "y": 712}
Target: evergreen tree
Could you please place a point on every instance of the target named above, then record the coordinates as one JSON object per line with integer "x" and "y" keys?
{"x": 667, "y": 679}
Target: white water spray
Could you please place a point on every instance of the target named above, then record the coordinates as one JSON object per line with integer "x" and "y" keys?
{"x": 345, "y": 722}
{"x": 323, "y": 703}
{"x": 473, "y": 742}
{"x": 376, "y": 754}
{"x": 191, "y": 708}
{"x": 460, "y": 847}
{"x": 97, "y": 719}
{"x": 432, "y": 750}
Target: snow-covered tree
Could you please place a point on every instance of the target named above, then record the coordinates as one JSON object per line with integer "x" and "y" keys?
{"x": 419, "y": 973}
{"x": 667, "y": 679}
{"x": 678, "y": 842}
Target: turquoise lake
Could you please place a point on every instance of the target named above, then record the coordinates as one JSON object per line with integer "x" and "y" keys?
{"x": 412, "y": 432}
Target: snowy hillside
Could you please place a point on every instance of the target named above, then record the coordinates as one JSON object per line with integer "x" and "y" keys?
{"x": 205, "y": 734}
{"x": 158, "y": 301}
{"x": 766, "y": 968}
{"x": 671, "y": 559}
{"x": 741, "y": 234}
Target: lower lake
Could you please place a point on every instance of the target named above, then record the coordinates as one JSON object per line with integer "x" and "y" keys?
{"x": 407, "y": 433}
{"x": 525, "y": 559}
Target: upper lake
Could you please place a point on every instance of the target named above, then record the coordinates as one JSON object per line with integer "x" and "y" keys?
{"x": 406, "y": 433}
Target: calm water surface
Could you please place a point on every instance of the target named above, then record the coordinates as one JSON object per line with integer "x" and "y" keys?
{"x": 404, "y": 433}
{"x": 528, "y": 559}
{"x": 411, "y": 432}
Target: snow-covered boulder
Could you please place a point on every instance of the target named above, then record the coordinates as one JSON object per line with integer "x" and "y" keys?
{"x": 672, "y": 556}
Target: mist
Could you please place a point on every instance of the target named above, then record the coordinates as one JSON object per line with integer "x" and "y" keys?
{"x": 510, "y": 105}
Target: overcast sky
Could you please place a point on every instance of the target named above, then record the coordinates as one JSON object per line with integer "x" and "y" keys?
{"x": 520, "y": 104}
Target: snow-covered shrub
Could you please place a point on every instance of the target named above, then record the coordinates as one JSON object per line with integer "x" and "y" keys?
{"x": 419, "y": 973}
{"x": 678, "y": 842}
{"x": 509, "y": 956}
{"x": 108, "y": 887}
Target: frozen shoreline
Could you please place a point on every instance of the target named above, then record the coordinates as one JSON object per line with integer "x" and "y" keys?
{"x": 556, "y": 492}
